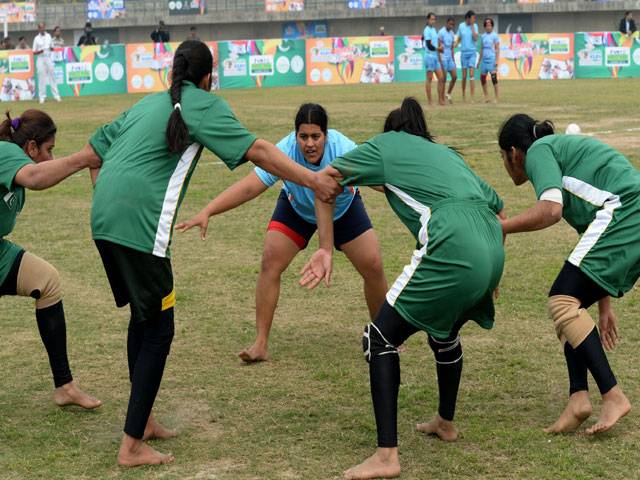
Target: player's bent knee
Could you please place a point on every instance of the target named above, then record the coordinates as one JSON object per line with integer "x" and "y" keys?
{"x": 374, "y": 344}
{"x": 446, "y": 352}
{"x": 38, "y": 279}
{"x": 570, "y": 321}
{"x": 494, "y": 78}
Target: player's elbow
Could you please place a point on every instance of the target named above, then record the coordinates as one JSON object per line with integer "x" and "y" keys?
{"x": 258, "y": 152}
{"x": 554, "y": 213}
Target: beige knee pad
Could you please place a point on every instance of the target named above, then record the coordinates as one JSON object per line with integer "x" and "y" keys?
{"x": 573, "y": 324}
{"x": 39, "y": 280}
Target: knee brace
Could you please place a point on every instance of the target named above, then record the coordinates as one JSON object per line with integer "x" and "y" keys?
{"x": 40, "y": 280}
{"x": 572, "y": 323}
{"x": 446, "y": 352}
{"x": 374, "y": 344}
{"x": 494, "y": 78}
{"x": 483, "y": 78}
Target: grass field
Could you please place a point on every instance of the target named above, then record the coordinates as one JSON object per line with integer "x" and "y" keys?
{"x": 307, "y": 413}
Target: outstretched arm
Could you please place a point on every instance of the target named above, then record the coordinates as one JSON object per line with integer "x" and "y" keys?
{"x": 240, "y": 192}
{"x": 320, "y": 264}
{"x": 542, "y": 215}
{"x": 43, "y": 175}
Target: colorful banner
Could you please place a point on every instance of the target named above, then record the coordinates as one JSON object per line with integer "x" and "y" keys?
{"x": 105, "y": 9}
{"x": 284, "y": 5}
{"x": 409, "y": 55}
{"x": 18, "y": 12}
{"x": 315, "y": 29}
{"x": 91, "y": 70}
{"x": 543, "y": 56}
{"x": 607, "y": 55}
{"x": 363, "y": 4}
{"x": 149, "y": 66}
{"x": 343, "y": 60}
{"x": 17, "y": 75}
{"x": 262, "y": 63}
{"x": 187, "y": 7}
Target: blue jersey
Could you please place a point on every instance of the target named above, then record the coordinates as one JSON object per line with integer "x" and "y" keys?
{"x": 446, "y": 38}
{"x": 302, "y": 198}
{"x": 489, "y": 41}
{"x": 465, "y": 33}
{"x": 431, "y": 34}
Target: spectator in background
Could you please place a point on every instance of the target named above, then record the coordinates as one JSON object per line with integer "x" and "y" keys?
{"x": 87, "y": 37}
{"x": 57, "y": 41}
{"x": 44, "y": 63}
{"x": 193, "y": 34}
{"x": 22, "y": 44}
{"x": 627, "y": 24}
{"x": 160, "y": 34}
{"x": 382, "y": 31}
{"x": 6, "y": 44}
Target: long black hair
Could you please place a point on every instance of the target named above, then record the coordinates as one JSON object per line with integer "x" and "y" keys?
{"x": 313, "y": 114}
{"x": 408, "y": 118}
{"x": 520, "y": 131}
{"x": 191, "y": 62}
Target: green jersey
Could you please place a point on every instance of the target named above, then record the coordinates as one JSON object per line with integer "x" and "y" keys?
{"x": 451, "y": 213}
{"x": 12, "y": 197}
{"x": 141, "y": 184}
{"x": 601, "y": 199}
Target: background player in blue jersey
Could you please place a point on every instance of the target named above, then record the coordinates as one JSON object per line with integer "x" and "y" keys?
{"x": 446, "y": 42}
{"x": 467, "y": 38}
{"x": 489, "y": 56}
{"x": 432, "y": 65}
{"x": 294, "y": 221}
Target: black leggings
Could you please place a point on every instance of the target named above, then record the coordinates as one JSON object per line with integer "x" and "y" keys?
{"x": 389, "y": 331}
{"x": 589, "y": 355}
{"x": 148, "y": 346}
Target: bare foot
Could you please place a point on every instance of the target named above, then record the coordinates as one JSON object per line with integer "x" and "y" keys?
{"x": 577, "y": 411}
{"x": 134, "y": 453}
{"x": 254, "y": 354}
{"x": 443, "y": 429}
{"x": 615, "y": 405}
{"x": 155, "y": 431}
{"x": 382, "y": 464}
{"x": 70, "y": 394}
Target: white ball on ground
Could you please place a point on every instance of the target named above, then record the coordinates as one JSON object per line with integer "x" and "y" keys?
{"x": 573, "y": 129}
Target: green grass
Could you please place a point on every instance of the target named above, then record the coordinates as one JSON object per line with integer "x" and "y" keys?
{"x": 307, "y": 413}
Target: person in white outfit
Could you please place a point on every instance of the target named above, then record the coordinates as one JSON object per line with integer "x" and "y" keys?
{"x": 44, "y": 63}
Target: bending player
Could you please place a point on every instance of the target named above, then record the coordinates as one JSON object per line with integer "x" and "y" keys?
{"x": 446, "y": 41}
{"x": 26, "y": 149}
{"x": 149, "y": 154}
{"x": 489, "y": 57}
{"x": 454, "y": 270}
{"x": 431, "y": 62}
{"x": 294, "y": 222}
{"x": 467, "y": 37}
{"x": 597, "y": 191}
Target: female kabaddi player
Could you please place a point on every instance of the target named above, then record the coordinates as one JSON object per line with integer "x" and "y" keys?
{"x": 454, "y": 270}
{"x": 597, "y": 191}
{"x": 26, "y": 161}
{"x": 489, "y": 57}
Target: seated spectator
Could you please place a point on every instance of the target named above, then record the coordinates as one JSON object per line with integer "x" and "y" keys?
{"x": 57, "y": 41}
{"x": 87, "y": 38}
{"x": 627, "y": 24}
{"x": 160, "y": 34}
{"x": 193, "y": 34}
{"x": 22, "y": 44}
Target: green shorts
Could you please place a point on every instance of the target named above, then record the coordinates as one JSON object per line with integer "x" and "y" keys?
{"x": 453, "y": 276}
{"x": 8, "y": 254}
{"x": 609, "y": 250}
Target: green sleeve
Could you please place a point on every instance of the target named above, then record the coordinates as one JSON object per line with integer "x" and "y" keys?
{"x": 361, "y": 166}
{"x": 221, "y": 132}
{"x": 495, "y": 202}
{"x": 542, "y": 168}
{"x": 13, "y": 159}
{"x": 103, "y": 138}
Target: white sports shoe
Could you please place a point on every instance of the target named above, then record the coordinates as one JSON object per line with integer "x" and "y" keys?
{"x": 448, "y": 97}
{"x": 58, "y": 99}
{"x": 41, "y": 100}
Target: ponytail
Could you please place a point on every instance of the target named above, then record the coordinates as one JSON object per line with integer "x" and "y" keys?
{"x": 31, "y": 125}
{"x": 408, "y": 118}
{"x": 191, "y": 62}
{"x": 521, "y": 131}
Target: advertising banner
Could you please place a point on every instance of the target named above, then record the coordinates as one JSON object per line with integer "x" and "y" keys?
{"x": 187, "y": 7}
{"x": 18, "y": 12}
{"x": 262, "y": 63}
{"x": 409, "y": 59}
{"x": 92, "y": 70}
{"x": 17, "y": 75}
{"x": 149, "y": 66}
{"x": 284, "y": 5}
{"x": 363, "y": 4}
{"x": 607, "y": 55}
{"x": 543, "y": 56}
{"x": 105, "y": 9}
{"x": 347, "y": 60}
